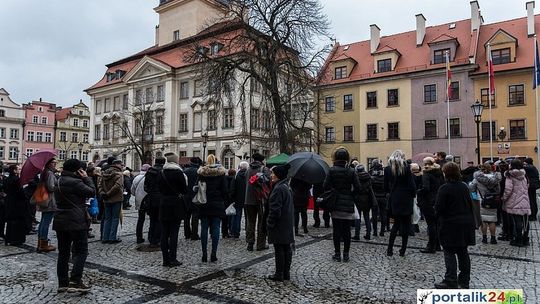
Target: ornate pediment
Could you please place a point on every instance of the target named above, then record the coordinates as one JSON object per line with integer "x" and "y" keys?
{"x": 147, "y": 68}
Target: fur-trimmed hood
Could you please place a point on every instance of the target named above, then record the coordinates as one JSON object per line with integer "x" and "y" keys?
{"x": 212, "y": 170}
{"x": 172, "y": 166}
{"x": 517, "y": 174}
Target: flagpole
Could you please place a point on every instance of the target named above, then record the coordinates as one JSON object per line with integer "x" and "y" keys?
{"x": 448, "y": 102}
{"x": 536, "y": 66}
{"x": 489, "y": 98}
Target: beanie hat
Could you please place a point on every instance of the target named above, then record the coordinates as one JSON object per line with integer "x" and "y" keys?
{"x": 145, "y": 167}
{"x": 341, "y": 154}
{"x": 117, "y": 162}
{"x": 360, "y": 168}
{"x": 195, "y": 161}
{"x": 72, "y": 165}
{"x": 110, "y": 160}
{"x": 172, "y": 157}
{"x": 160, "y": 160}
{"x": 210, "y": 160}
{"x": 258, "y": 157}
{"x": 281, "y": 171}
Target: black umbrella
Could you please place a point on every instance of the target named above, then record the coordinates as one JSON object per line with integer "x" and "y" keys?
{"x": 308, "y": 166}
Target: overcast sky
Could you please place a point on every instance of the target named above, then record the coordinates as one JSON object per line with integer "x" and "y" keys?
{"x": 55, "y": 49}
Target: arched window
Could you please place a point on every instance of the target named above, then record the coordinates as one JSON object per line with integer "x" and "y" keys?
{"x": 228, "y": 159}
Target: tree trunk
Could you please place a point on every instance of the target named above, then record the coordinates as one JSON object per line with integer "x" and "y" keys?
{"x": 280, "y": 123}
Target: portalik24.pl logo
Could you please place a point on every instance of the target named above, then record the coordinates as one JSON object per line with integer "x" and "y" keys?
{"x": 469, "y": 296}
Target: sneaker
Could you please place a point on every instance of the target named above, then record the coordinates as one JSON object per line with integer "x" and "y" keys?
{"x": 78, "y": 287}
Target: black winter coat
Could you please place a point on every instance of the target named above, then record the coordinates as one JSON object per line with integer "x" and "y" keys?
{"x": 173, "y": 185}
{"x": 280, "y": 221}
{"x": 533, "y": 176}
{"x": 230, "y": 182}
{"x": 238, "y": 188}
{"x": 377, "y": 183}
{"x": 216, "y": 191}
{"x": 432, "y": 179}
{"x": 300, "y": 192}
{"x": 455, "y": 218}
{"x": 364, "y": 197}
{"x": 71, "y": 195}
{"x": 128, "y": 182}
{"x": 151, "y": 185}
{"x": 402, "y": 191}
{"x": 345, "y": 182}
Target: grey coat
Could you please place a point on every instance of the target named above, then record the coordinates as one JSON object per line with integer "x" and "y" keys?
{"x": 50, "y": 183}
{"x": 254, "y": 168}
{"x": 280, "y": 220}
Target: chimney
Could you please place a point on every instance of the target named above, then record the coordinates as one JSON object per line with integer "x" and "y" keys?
{"x": 530, "y": 18}
{"x": 375, "y": 37}
{"x": 157, "y": 34}
{"x": 420, "y": 29}
{"x": 475, "y": 16}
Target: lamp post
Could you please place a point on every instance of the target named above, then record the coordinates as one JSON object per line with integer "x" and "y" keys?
{"x": 205, "y": 141}
{"x": 502, "y": 134}
{"x": 477, "y": 109}
{"x": 80, "y": 146}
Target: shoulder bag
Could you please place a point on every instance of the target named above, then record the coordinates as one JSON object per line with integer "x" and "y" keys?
{"x": 491, "y": 199}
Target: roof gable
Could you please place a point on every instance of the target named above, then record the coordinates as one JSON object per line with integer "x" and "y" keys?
{"x": 442, "y": 38}
{"x": 501, "y": 37}
{"x": 147, "y": 67}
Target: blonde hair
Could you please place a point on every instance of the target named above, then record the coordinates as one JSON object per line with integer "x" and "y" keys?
{"x": 396, "y": 161}
{"x": 210, "y": 159}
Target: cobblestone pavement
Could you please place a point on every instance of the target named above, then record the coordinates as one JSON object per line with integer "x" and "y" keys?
{"x": 121, "y": 274}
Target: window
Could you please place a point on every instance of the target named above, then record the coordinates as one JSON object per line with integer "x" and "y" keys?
{"x": 348, "y": 133}
{"x": 48, "y": 137}
{"x": 517, "y": 129}
{"x": 211, "y": 125}
{"x": 228, "y": 118}
{"x": 98, "y": 107}
{"x": 43, "y": 120}
{"x": 73, "y": 155}
{"x": 330, "y": 135}
{"x": 13, "y": 152}
{"x": 176, "y": 35}
{"x": 371, "y": 99}
{"x": 393, "y": 97}
{"x": 228, "y": 160}
{"x": 254, "y": 121}
{"x": 485, "y": 131}
{"x": 106, "y": 130}
{"x": 138, "y": 97}
{"x": 384, "y": 65}
{"x": 30, "y": 135}
{"x": 455, "y": 127}
{"x": 125, "y": 101}
{"x": 267, "y": 120}
{"x": 35, "y": 119}
{"x": 439, "y": 56}
{"x": 372, "y": 132}
{"x": 97, "y": 132}
{"x": 2, "y": 152}
{"x": 198, "y": 90}
{"x": 85, "y": 137}
{"x": 182, "y": 153}
{"x": 62, "y": 154}
{"x": 85, "y": 123}
{"x": 138, "y": 130}
{"x": 2, "y": 113}
{"x": 330, "y": 104}
{"x": 29, "y": 152}
{"x": 40, "y": 109}
{"x": 197, "y": 122}
{"x": 255, "y": 85}
{"x": 85, "y": 156}
{"x": 393, "y": 130}
{"x": 347, "y": 102}
{"x": 81, "y": 113}
{"x": 500, "y": 56}
{"x": 75, "y": 137}
{"x": 160, "y": 93}
{"x": 149, "y": 95}
{"x": 124, "y": 130}
{"x": 454, "y": 90}
{"x": 13, "y": 133}
{"x": 2, "y": 132}
{"x": 184, "y": 89}
{"x": 484, "y": 98}
{"x": 516, "y": 95}
{"x": 116, "y": 103}
{"x": 159, "y": 123}
{"x": 115, "y": 131}
{"x": 215, "y": 48}
{"x": 106, "y": 105}
{"x": 75, "y": 122}
{"x": 340, "y": 72}
{"x": 430, "y": 93}
{"x": 430, "y": 129}
{"x": 183, "y": 122}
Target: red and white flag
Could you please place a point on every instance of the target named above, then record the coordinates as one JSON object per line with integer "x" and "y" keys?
{"x": 448, "y": 77}
{"x": 491, "y": 73}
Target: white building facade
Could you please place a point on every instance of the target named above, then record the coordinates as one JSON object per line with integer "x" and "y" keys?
{"x": 11, "y": 130}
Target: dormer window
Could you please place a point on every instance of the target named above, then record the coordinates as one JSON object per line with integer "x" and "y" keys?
{"x": 340, "y": 72}
{"x": 40, "y": 109}
{"x": 439, "y": 56}
{"x": 176, "y": 35}
{"x": 500, "y": 56}
{"x": 215, "y": 48}
{"x": 384, "y": 65}
{"x": 202, "y": 51}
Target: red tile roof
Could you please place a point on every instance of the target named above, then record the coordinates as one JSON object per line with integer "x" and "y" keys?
{"x": 63, "y": 114}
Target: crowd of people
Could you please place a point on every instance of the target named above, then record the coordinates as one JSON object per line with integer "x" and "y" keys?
{"x": 453, "y": 202}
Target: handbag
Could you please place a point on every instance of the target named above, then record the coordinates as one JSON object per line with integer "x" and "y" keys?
{"x": 230, "y": 210}
{"x": 41, "y": 195}
{"x": 93, "y": 209}
{"x": 200, "y": 196}
{"x": 327, "y": 200}
{"x": 491, "y": 199}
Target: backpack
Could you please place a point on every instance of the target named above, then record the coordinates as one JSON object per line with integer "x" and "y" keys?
{"x": 259, "y": 181}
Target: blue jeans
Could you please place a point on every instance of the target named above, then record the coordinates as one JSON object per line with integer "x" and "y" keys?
{"x": 236, "y": 220}
{"x": 43, "y": 229}
{"x": 214, "y": 232}
{"x": 112, "y": 219}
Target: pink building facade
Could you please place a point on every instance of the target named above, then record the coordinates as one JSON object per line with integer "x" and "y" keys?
{"x": 39, "y": 127}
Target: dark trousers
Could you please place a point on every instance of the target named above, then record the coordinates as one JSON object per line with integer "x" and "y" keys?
{"x": 140, "y": 224}
{"x": 451, "y": 264}
{"x": 255, "y": 219}
{"x": 341, "y": 231}
{"x": 402, "y": 223}
{"x": 2, "y": 219}
{"x": 431, "y": 221}
{"x": 534, "y": 204}
{"x": 283, "y": 257}
{"x": 169, "y": 240}
{"x": 358, "y": 224}
{"x": 520, "y": 225}
{"x": 224, "y": 226}
{"x": 316, "y": 217}
{"x": 507, "y": 224}
{"x": 300, "y": 212}
{"x": 76, "y": 243}
{"x": 154, "y": 231}
{"x": 212, "y": 224}
{"x": 191, "y": 225}
{"x": 383, "y": 214}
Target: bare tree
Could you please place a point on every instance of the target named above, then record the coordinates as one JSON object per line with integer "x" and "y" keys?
{"x": 275, "y": 43}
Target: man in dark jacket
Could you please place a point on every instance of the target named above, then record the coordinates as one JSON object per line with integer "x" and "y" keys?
{"x": 377, "y": 183}
{"x": 238, "y": 195}
{"x": 534, "y": 184}
{"x": 317, "y": 191}
{"x": 255, "y": 206}
{"x": 71, "y": 224}
{"x": 468, "y": 172}
{"x": 172, "y": 184}
{"x": 112, "y": 191}
{"x": 191, "y": 225}
{"x": 154, "y": 198}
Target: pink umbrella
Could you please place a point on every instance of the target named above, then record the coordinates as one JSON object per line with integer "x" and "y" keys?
{"x": 419, "y": 158}
{"x": 34, "y": 164}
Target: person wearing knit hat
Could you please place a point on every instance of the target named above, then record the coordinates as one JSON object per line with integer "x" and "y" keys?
{"x": 172, "y": 157}
{"x": 72, "y": 165}
{"x": 280, "y": 222}
{"x": 145, "y": 167}
{"x": 128, "y": 182}
{"x": 137, "y": 189}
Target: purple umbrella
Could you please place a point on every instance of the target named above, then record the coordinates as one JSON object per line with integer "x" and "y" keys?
{"x": 34, "y": 164}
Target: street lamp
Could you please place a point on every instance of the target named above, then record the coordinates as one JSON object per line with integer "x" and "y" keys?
{"x": 205, "y": 141}
{"x": 80, "y": 146}
{"x": 502, "y": 134}
{"x": 477, "y": 109}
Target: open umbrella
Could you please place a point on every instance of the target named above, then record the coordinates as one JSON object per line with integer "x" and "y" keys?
{"x": 419, "y": 158}
{"x": 280, "y": 159}
{"x": 34, "y": 164}
{"x": 308, "y": 166}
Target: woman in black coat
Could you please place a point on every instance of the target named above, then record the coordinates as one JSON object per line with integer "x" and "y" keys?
{"x": 399, "y": 183}
{"x": 300, "y": 190}
{"x": 227, "y": 221}
{"x": 432, "y": 179}
{"x": 17, "y": 209}
{"x": 213, "y": 211}
{"x": 280, "y": 222}
{"x": 455, "y": 218}
{"x": 238, "y": 195}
